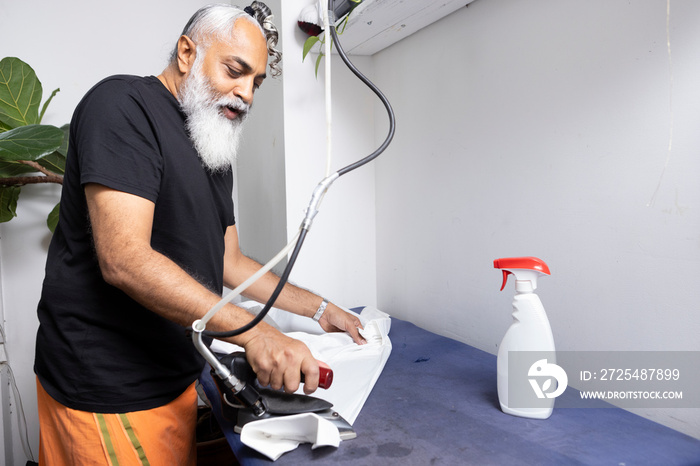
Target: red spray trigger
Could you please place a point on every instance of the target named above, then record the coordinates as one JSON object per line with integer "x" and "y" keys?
{"x": 505, "y": 278}
{"x": 525, "y": 269}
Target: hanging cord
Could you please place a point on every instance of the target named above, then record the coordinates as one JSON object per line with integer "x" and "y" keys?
{"x": 382, "y": 97}
{"x": 21, "y": 418}
{"x": 199, "y": 325}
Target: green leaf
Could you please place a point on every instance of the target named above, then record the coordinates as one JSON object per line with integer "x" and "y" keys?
{"x": 52, "y": 219}
{"x": 8, "y": 202}
{"x": 340, "y": 29}
{"x": 56, "y": 161}
{"x": 63, "y": 150}
{"x": 308, "y": 45}
{"x": 20, "y": 93}
{"x": 8, "y": 169}
{"x": 318, "y": 62}
{"x": 46, "y": 104}
{"x": 29, "y": 142}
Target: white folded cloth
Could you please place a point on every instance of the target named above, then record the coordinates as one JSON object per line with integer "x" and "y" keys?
{"x": 356, "y": 369}
{"x": 275, "y": 436}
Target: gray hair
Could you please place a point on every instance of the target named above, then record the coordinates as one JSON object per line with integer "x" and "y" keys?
{"x": 217, "y": 20}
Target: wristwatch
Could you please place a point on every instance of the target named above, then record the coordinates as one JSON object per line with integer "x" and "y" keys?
{"x": 320, "y": 311}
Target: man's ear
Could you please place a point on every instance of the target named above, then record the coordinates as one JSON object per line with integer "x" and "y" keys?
{"x": 186, "y": 54}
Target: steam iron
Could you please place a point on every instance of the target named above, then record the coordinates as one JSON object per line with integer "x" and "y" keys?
{"x": 246, "y": 401}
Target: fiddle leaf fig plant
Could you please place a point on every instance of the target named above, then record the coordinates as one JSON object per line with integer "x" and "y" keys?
{"x": 30, "y": 152}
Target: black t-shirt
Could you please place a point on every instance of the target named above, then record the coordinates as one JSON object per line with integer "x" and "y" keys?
{"x": 97, "y": 349}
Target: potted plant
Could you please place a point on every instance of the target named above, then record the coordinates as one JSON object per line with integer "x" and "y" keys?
{"x": 311, "y": 22}
{"x": 30, "y": 152}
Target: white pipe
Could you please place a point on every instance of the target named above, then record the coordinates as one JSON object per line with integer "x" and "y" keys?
{"x": 327, "y": 51}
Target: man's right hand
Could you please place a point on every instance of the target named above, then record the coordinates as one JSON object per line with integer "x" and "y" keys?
{"x": 279, "y": 360}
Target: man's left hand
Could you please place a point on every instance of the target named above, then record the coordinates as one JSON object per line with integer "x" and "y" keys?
{"x": 334, "y": 319}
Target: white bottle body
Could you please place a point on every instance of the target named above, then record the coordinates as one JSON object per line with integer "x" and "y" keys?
{"x": 530, "y": 331}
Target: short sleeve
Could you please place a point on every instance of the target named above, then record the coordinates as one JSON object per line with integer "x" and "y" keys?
{"x": 115, "y": 140}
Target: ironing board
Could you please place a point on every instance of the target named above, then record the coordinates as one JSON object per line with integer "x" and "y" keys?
{"x": 436, "y": 403}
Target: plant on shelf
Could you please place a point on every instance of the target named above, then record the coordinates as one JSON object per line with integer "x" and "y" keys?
{"x": 30, "y": 152}
{"x": 312, "y": 24}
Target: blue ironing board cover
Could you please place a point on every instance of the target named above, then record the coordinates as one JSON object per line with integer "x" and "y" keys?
{"x": 436, "y": 403}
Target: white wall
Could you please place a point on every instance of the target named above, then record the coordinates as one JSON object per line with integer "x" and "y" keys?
{"x": 260, "y": 204}
{"x": 339, "y": 255}
{"x": 541, "y": 128}
{"x": 71, "y": 44}
{"x": 338, "y": 258}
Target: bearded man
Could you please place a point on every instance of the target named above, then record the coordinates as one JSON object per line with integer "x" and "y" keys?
{"x": 145, "y": 242}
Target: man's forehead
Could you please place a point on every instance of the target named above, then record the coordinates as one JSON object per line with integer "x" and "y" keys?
{"x": 245, "y": 41}
{"x": 244, "y": 32}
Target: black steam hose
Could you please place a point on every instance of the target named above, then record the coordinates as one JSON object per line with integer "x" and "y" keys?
{"x": 288, "y": 269}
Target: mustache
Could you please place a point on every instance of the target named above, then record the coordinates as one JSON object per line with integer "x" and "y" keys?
{"x": 235, "y": 104}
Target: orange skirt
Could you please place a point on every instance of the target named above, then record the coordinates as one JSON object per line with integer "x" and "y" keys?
{"x": 160, "y": 436}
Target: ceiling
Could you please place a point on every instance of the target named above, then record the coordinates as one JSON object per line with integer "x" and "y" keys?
{"x": 377, "y": 24}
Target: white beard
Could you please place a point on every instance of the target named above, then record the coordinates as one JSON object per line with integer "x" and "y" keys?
{"x": 215, "y": 137}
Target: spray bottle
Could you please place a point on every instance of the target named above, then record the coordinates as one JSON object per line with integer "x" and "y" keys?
{"x": 530, "y": 331}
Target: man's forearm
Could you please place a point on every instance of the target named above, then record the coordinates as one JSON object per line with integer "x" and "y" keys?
{"x": 238, "y": 268}
{"x": 292, "y": 298}
{"x": 160, "y": 285}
